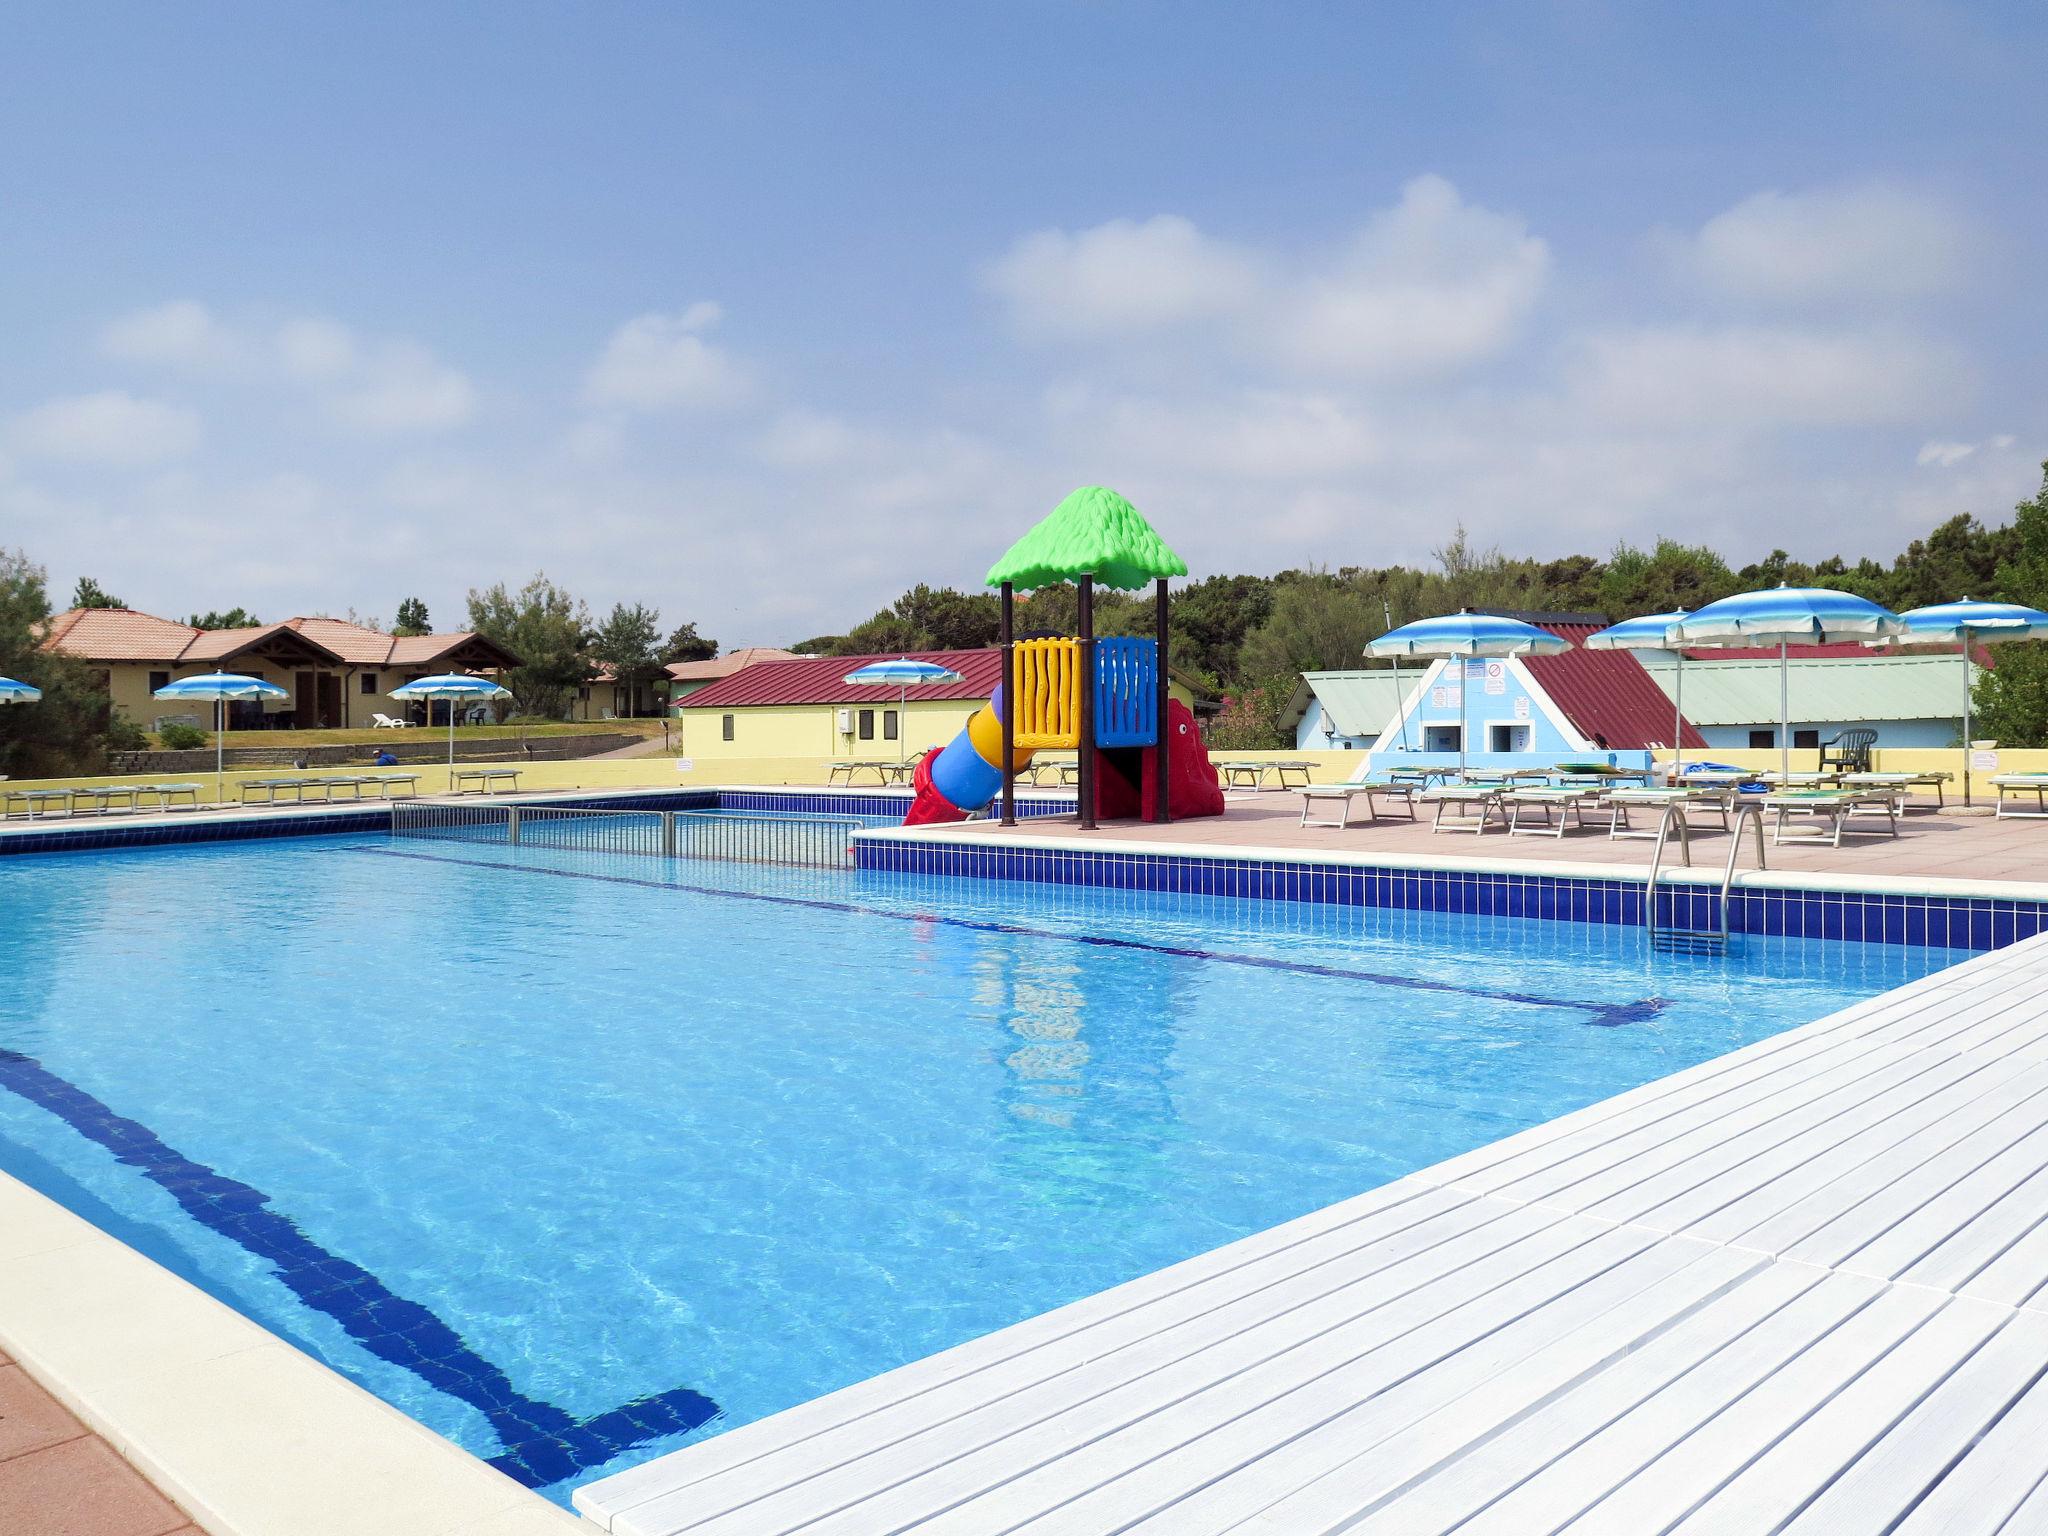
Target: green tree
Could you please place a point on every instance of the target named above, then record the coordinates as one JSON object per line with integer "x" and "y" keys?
{"x": 929, "y": 619}
{"x": 628, "y": 641}
{"x": 88, "y": 593}
{"x": 685, "y": 644}
{"x": 547, "y": 629}
{"x": 234, "y": 618}
{"x": 1250, "y": 718}
{"x": 1208, "y": 622}
{"x": 412, "y": 618}
{"x": 1319, "y": 622}
{"x": 1672, "y": 575}
{"x": 70, "y": 729}
{"x": 823, "y": 645}
{"x": 2011, "y": 698}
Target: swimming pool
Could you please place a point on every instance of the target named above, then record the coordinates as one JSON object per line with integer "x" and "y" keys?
{"x": 576, "y": 1157}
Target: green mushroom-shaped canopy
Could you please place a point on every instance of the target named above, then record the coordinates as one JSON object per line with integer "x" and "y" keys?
{"x": 1094, "y": 532}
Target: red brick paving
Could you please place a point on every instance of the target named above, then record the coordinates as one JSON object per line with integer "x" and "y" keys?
{"x": 59, "y": 1479}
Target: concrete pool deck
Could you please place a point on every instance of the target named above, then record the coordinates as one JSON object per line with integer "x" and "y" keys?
{"x": 255, "y": 1437}
{"x": 1931, "y": 845}
{"x": 1802, "y": 1287}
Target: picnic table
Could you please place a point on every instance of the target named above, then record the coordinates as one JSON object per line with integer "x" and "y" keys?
{"x": 36, "y": 803}
{"x": 1480, "y": 801}
{"x": 1904, "y": 783}
{"x": 1831, "y": 808}
{"x": 1368, "y": 789}
{"x": 483, "y": 778}
{"x": 1235, "y": 774}
{"x": 2016, "y": 785}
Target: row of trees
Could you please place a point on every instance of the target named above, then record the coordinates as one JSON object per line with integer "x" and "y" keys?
{"x": 1246, "y": 638}
{"x": 557, "y": 641}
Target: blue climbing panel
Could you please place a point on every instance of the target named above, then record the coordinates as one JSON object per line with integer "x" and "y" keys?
{"x": 1126, "y": 692}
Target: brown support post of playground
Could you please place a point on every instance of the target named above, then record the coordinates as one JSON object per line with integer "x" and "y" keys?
{"x": 1160, "y": 777}
{"x": 1009, "y": 710}
{"x": 1086, "y": 749}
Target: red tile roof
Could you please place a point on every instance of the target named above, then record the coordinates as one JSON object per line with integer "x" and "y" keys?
{"x": 123, "y": 634}
{"x": 1607, "y": 695}
{"x": 117, "y": 634}
{"x": 818, "y": 680}
{"x": 726, "y": 665}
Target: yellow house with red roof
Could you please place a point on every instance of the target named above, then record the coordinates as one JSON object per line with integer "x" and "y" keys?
{"x": 338, "y": 674}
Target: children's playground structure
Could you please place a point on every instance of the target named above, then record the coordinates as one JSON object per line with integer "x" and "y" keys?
{"x": 1139, "y": 753}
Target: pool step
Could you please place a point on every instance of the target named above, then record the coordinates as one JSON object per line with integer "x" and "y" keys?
{"x": 1688, "y": 941}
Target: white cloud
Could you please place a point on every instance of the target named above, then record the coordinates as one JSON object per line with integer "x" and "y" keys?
{"x": 1746, "y": 377}
{"x": 1429, "y": 285}
{"x": 182, "y": 334}
{"x": 314, "y": 348}
{"x": 401, "y": 387}
{"x": 376, "y": 385}
{"x": 1840, "y": 243}
{"x": 657, "y": 361}
{"x": 110, "y": 427}
{"x": 1121, "y": 278}
{"x": 1943, "y": 455}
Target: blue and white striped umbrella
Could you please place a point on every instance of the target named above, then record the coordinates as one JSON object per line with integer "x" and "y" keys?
{"x": 1465, "y": 634}
{"x": 1785, "y": 616}
{"x": 12, "y": 692}
{"x": 902, "y": 674}
{"x": 1651, "y": 632}
{"x": 1969, "y": 623}
{"x": 451, "y": 686}
{"x": 216, "y": 688}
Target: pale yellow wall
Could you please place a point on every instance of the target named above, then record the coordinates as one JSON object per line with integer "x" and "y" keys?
{"x": 128, "y": 684}
{"x": 812, "y": 730}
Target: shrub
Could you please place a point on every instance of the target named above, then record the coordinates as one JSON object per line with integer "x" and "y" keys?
{"x": 177, "y": 736}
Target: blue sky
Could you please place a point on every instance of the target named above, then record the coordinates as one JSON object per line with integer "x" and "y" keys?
{"x": 760, "y": 314}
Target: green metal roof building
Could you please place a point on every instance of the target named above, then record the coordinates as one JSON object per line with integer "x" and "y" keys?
{"x": 1910, "y": 701}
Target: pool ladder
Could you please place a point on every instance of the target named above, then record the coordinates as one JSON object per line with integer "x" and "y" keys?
{"x": 1669, "y": 938}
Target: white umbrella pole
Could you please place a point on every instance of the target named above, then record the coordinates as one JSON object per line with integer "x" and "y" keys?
{"x": 220, "y": 731}
{"x": 1464, "y": 715}
{"x": 902, "y": 723}
{"x": 451, "y": 742}
{"x": 1785, "y": 716}
{"x": 1400, "y": 705}
{"x": 1678, "y": 724}
{"x": 1966, "y": 714}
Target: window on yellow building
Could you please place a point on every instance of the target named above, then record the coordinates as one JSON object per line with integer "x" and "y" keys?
{"x": 867, "y": 725}
{"x": 888, "y": 725}
{"x": 726, "y": 726}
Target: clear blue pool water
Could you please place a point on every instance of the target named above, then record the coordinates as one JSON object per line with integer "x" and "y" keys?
{"x": 577, "y": 1157}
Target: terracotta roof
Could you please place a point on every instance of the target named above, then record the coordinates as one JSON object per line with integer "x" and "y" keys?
{"x": 1606, "y": 695}
{"x": 117, "y": 634}
{"x": 122, "y": 634}
{"x": 356, "y": 644}
{"x": 818, "y": 680}
{"x": 724, "y": 666}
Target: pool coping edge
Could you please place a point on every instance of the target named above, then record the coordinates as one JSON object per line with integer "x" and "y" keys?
{"x": 242, "y": 1430}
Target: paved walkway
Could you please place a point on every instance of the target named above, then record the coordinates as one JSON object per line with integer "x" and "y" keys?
{"x": 1930, "y": 843}
{"x": 1800, "y": 1288}
{"x": 58, "y": 1479}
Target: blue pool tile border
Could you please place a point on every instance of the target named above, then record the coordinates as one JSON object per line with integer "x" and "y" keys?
{"x": 71, "y": 837}
{"x": 1949, "y": 922}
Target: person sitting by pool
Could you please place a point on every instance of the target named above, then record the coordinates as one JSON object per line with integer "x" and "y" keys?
{"x": 384, "y": 759}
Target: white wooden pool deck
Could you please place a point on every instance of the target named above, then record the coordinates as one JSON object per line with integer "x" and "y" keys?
{"x": 1803, "y": 1287}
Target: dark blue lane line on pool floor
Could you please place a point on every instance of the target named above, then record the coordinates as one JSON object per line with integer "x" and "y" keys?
{"x": 543, "y": 1444}
{"x": 1606, "y": 1015}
